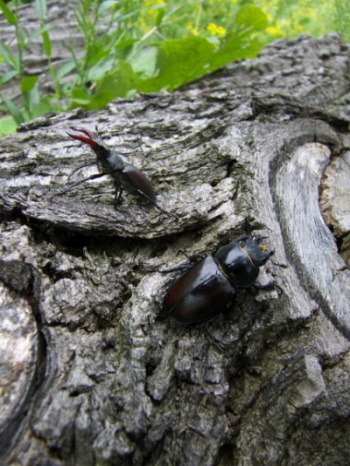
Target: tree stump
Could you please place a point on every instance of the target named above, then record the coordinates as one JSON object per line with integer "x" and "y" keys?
{"x": 92, "y": 371}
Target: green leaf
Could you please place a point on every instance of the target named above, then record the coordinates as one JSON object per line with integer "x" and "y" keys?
{"x": 65, "y": 69}
{"x": 118, "y": 83}
{"x": 8, "y": 56}
{"x": 234, "y": 48}
{"x": 11, "y": 18}
{"x": 101, "y": 68}
{"x": 144, "y": 61}
{"x": 242, "y": 42}
{"x": 17, "y": 114}
{"x": 252, "y": 18}
{"x": 160, "y": 16}
{"x": 86, "y": 4}
{"x": 80, "y": 98}
{"x": 40, "y": 6}
{"x": 108, "y": 4}
{"x": 5, "y": 77}
{"x": 124, "y": 48}
{"x": 47, "y": 43}
{"x": 42, "y": 107}
{"x": 179, "y": 61}
{"x": 31, "y": 100}
{"x": 7, "y": 125}
{"x": 28, "y": 83}
{"x": 95, "y": 53}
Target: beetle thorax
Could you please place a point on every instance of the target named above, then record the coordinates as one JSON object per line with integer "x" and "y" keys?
{"x": 110, "y": 161}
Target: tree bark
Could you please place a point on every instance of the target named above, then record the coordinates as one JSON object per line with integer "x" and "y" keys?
{"x": 92, "y": 370}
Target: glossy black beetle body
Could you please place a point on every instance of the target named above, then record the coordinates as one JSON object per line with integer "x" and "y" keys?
{"x": 125, "y": 175}
{"x": 208, "y": 287}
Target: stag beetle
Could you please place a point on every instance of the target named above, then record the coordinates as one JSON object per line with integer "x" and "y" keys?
{"x": 204, "y": 290}
{"x": 125, "y": 176}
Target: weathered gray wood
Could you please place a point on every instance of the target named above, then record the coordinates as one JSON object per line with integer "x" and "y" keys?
{"x": 102, "y": 376}
{"x": 335, "y": 201}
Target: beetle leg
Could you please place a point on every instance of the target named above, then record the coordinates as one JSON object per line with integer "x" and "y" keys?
{"x": 79, "y": 168}
{"x": 181, "y": 268}
{"x": 126, "y": 183}
{"x": 156, "y": 205}
{"x": 73, "y": 185}
{"x": 277, "y": 264}
{"x": 118, "y": 196}
{"x": 189, "y": 258}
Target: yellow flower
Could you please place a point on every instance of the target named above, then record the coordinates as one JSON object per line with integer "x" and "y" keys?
{"x": 216, "y": 30}
{"x": 153, "y": 2}
{"x": 275, "y": 31}
{"x": 192, "y": 29}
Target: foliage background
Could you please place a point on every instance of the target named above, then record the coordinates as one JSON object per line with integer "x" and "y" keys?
{"x": 149, "y": 45}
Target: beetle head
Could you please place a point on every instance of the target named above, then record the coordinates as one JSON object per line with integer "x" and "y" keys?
{"x": 256, "y": 250}
{"x": 241, "y": 259}
{"x": 93, "y": 139}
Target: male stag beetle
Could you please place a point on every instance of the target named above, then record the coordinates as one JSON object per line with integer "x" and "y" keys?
{"x": 125, "y": 176}
{"x": 204, "y": 290}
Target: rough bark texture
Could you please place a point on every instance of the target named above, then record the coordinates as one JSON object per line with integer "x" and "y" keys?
{"x": 92, "y": 371}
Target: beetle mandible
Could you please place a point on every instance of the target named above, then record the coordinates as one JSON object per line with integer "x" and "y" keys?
{"x": 204, "y": 290}
{"x": 125, "y": 175}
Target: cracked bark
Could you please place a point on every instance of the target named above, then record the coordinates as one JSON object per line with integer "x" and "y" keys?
{"x": 92, "y": 371}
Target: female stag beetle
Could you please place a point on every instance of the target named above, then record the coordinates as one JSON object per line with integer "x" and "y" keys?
{"x": 125, "y": 176}
{"x": 208, "y": 287}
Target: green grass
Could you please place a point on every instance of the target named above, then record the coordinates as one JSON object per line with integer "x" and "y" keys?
{"x": 155, "y": 46}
